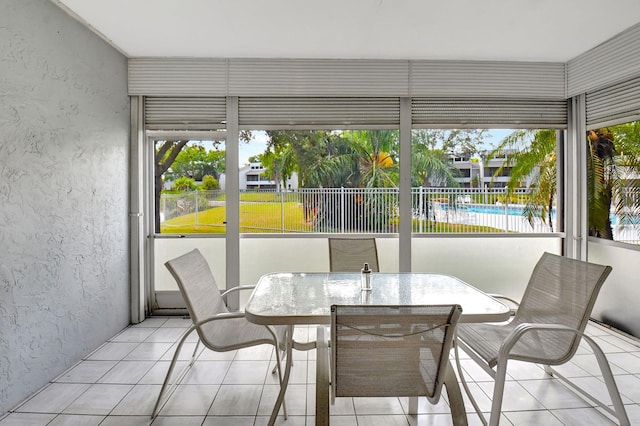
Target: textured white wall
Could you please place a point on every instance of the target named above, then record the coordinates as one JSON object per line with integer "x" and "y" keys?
{"x": 620, "y": 295}
{"x": 64, "y": 117}
{"x": 495, "y": 264}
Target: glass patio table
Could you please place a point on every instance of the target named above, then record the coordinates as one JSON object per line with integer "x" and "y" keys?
{"x": 305, "y": 298}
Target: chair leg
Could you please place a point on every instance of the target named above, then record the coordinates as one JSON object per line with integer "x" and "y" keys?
{"x": 476, "y": 407}
{"x": 195, "y": 351}
{"x": 498, "y": 392}
{"x": 619, "y": 411}
{"x": 458, "y": 412}
{"x": 179, "y": 377}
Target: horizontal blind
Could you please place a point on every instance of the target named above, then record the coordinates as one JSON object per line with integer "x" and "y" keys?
{"x": 345, "y": 77}
{"x": 488, "y": 79}
{"x": 616, "y": 104}
{"x": 317, "y": 77}
{"x": 178, "y": 77}
{"x": 615, "y": 60}
{"x": 329, "y": 113}
{"x": 488, "y": 113}
{"x": 173, "y": 113}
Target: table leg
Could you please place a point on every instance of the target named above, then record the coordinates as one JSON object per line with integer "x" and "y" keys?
{"x": 413, "y": 405}
{"x": 285, "y": 379}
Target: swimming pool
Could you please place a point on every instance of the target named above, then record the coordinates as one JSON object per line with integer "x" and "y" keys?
{"x": 518, "y": 210}
{"x": 512, "y": 210}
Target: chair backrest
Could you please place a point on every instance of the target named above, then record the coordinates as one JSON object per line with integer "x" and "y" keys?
{"x": 350, "y": 254}
{"x": 560, "y": 291}
{"x": 197, "y": 286}
{"x": 391, "y": 350}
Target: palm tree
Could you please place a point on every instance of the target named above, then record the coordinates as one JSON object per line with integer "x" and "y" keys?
{"x": 374, "y": 152}
{"x": 613, "y": 177}
{"x": 431, "y": 166}
{"x": 613, "y": 157}
{"x": 280, "y": 164}
{"x": 532, "y": 154}
{"x": 360, "y": 159}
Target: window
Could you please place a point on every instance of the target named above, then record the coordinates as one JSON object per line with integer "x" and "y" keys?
{"x": 320, "y": 181}
{"x": 613, "y": 187}
{"x": 483, "y": 180}
{"x": 189, "y": 187}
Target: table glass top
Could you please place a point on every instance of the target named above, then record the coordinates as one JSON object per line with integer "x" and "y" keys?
{"x": 305, "y": 298}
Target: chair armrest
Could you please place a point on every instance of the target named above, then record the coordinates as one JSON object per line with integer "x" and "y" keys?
{"x": 235, "y": 289}
{"x": 322, "y": 377}
{"x": 501, "y": 296}
{"x": 515, "y": 335}
{"x": 515, "y": 303}
{"x": 238, "y": 288}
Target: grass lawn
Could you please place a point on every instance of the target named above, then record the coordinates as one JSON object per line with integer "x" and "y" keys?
{"x": 265, "y": 217}
{"x": 254, "y": 217}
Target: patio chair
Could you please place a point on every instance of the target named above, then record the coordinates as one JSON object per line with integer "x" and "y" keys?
{"x": 218, "y": 329}
{"x": 387, "y": 351}
{"x": 350, "y": 254}
{"x": 547, "y": 328}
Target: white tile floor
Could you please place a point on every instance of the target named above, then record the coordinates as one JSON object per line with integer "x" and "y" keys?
{"x": 118, "y": 383}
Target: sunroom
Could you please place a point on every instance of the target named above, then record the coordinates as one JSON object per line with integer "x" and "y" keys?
{"x": 94, "y": 94}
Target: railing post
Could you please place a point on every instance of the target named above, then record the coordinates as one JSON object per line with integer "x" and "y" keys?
{"x": 424, "y": 214}
{"x": 506, "y": 210}
{"x": 282, "y": 210}
{"x": 342, "y": 209}
{"x": 196, "y": 203}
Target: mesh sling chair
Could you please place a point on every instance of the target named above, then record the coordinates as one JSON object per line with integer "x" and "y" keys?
{"x": 382, "y": 351}
{"x": 350, "y": 254}
{"x": 217, "y": 328}
{"x": 547, "y": 328}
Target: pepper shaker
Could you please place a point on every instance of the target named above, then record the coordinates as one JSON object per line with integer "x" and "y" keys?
{"x": 366, "y": 278}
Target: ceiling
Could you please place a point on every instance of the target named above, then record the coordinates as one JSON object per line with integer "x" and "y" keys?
{"x": 519, "y": 30}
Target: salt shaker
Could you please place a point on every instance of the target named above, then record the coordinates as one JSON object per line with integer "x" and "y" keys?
{"x": 366, "y": 278}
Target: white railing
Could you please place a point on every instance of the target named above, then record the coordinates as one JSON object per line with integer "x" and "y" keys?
{"x": 473, "y": 210}
{"x": 192, "y": 206}
{"x": 355, "y": 210}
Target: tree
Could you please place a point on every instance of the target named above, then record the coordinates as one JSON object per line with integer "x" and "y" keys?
{"x": 165, "y": 155}
{"x": 374, "y": 154}
{"x": 305, "y": 152}
{"x": 358, "y": 159}
{"x": 463, "y": 142}
{"x": 531, "y": 154}
{"x": 612, "y": 177}
{"x": 429, "y": 164}
{"x": 612, "y": 168}
{"x": 279, "y": 164}
{"x": 195, "y": 161}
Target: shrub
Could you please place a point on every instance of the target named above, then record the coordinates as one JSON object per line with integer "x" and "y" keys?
{"x": 209, "y": 183}
{"x": 184, "y": 184}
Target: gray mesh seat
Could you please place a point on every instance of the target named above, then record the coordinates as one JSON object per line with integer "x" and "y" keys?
{"x": 547, "y": 328}
{"x": 381, "y": 351}
{"x": 218, "y": 329}
{"x": 349, "y": 254}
